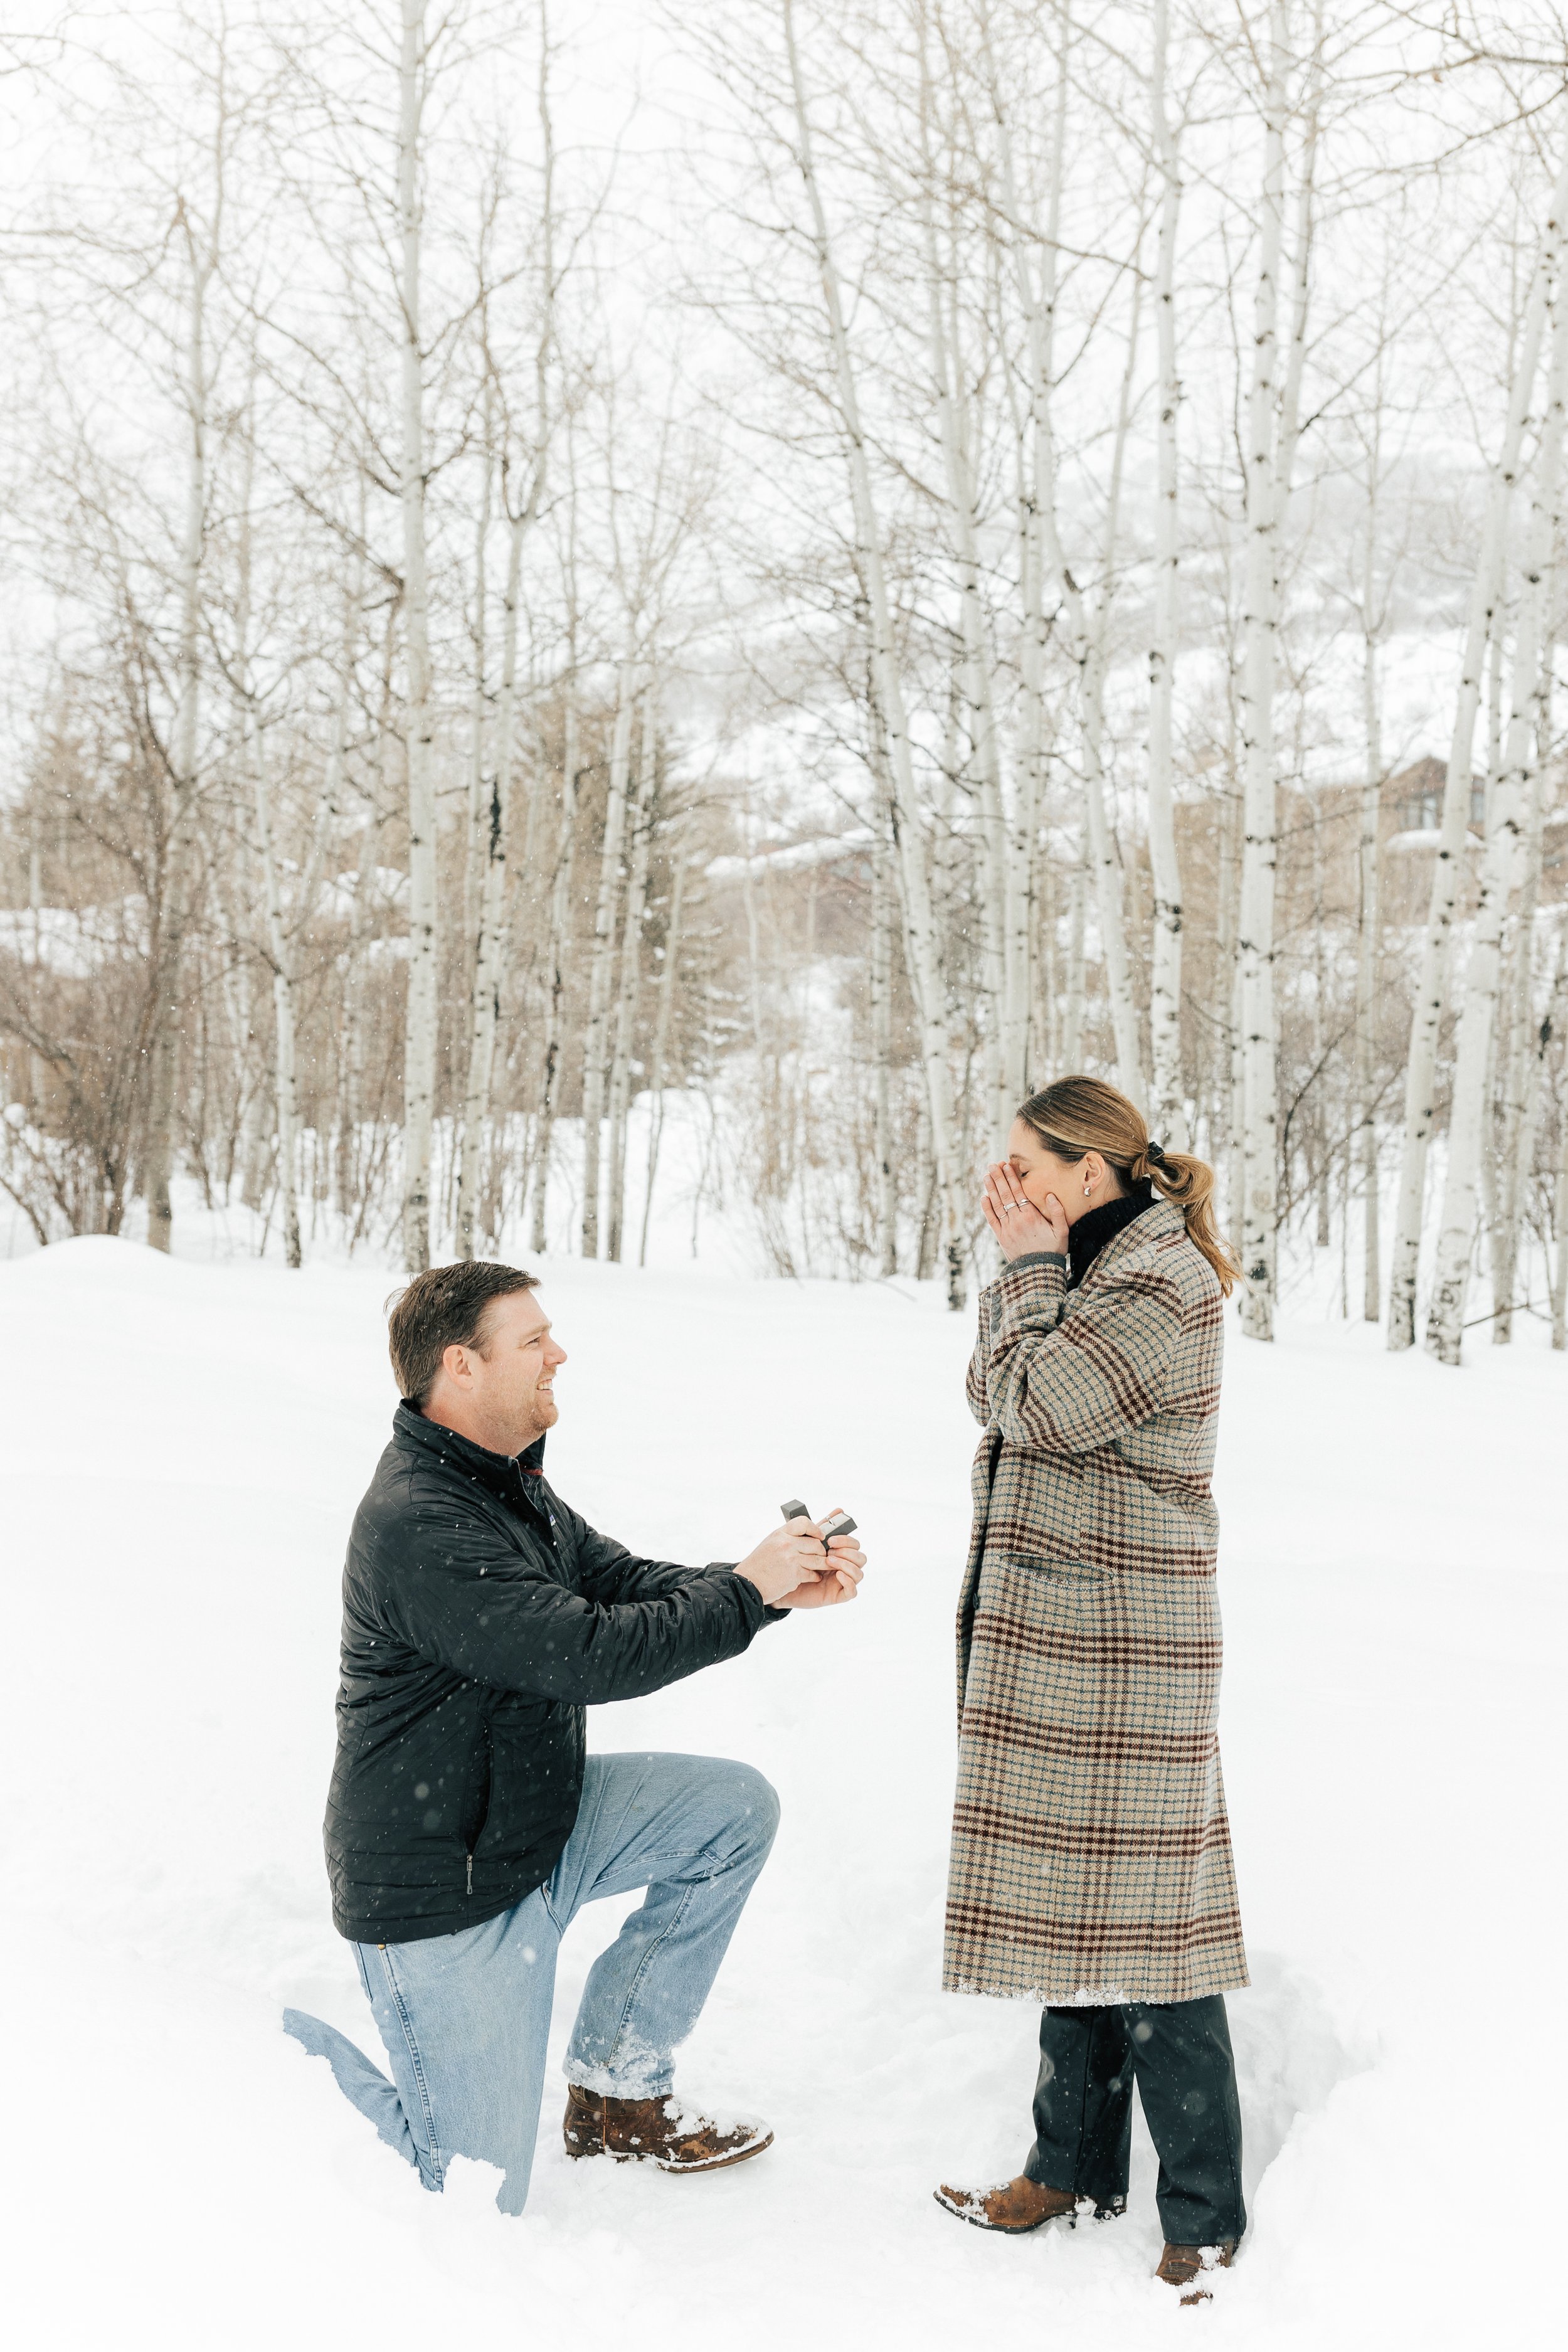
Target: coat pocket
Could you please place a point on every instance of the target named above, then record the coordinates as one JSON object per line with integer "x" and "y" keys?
{"x": 1057, "y": 1571}
{"x": 1040, "y": 1507}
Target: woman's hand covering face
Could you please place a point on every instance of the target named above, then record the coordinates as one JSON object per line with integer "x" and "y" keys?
{"x": 1018, "y": 1226}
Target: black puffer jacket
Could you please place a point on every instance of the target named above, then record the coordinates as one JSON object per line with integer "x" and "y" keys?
{"x": 480, "y": 1616}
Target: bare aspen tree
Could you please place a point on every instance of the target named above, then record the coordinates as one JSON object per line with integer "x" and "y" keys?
{"x": 1074, "y": 992}
{"x": 201, "y": 244}
{"x": 480, "y": 742}
{"x": 596, "y": 1045}
{"x": 1527, "y": 1041}
{"x": 880, "y": 976}
{"x": 553, "y": 984}
{"x": 1036, "y": 292}
{"x": 1369, "y": 879}
{"x": 1167, "y": 1106}
{"x": 919, "y": 936}
{"x": 1272, "y": 424}
{"x": 489, "y": 838}
{"x": 420, "y": 1037}
{"x": 660, "y": 1065}
{"x": 1255, "y": 702}
{"x": 1432, "y": 984}
{"x": 642, "y": 819}
{"x": 485, "y": 872}
{"x": 999, "y": 877}
{"x": 1470, "y": 1109}
{"x": 351, "y": 1109}
{"x": 1522, "y": 1124}
{"x": 494, "y": 814}
{"x": 279, "y": 948}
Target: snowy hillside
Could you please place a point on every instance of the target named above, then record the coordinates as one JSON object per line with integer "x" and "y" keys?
{"x": 184, "y": 1446}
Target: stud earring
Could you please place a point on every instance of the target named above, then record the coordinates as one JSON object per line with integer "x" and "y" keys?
{"x": 1086, "y": 1189}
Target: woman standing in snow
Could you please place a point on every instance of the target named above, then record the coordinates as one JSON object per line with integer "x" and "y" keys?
{"x": 1091, "y": 1864}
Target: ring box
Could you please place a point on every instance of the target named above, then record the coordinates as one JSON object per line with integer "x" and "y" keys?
{"x": 841, "y": 1526}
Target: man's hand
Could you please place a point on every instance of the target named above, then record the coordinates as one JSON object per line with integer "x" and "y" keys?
{"x": 838, "y": 1578}
{"x": 791, "y": 1570}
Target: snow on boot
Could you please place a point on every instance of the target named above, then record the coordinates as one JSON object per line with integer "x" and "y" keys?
{"x": 1181, "y": 2265}
{"x": 660, "y": 2131}
{"x": 1012, "y": 2207}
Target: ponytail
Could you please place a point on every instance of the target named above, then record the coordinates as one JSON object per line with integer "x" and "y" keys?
{"x": 1081, "y": 1114}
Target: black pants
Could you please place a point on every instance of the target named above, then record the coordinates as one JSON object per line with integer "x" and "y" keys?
{"x": 1178, "y": 2053}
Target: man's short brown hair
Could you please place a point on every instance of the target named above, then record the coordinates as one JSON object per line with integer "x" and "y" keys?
{"x": 444, "y": 1308}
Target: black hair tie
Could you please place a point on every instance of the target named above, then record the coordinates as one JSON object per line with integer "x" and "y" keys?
{"x": 1154, "y": 1154}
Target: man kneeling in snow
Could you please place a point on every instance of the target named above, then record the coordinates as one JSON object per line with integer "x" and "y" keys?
{"x": 466, "y": 1824}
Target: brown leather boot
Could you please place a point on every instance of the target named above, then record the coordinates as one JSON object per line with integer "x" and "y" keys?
{"x": 660, "y": 2131}
{"x": 1012, "y": 2207}
{"x": 1181, "y": 2265}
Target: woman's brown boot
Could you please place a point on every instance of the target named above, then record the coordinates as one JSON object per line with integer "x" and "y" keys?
{"x": 1181, "y": 2265}
{"x": 1014, "y": 2206}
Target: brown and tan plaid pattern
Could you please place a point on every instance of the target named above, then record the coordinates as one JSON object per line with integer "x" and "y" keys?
{"x": 1090, "y": 1850}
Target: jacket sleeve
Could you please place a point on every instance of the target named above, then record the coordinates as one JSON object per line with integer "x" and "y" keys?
{"x": 608, "y": 1572}
{"x": 466, "y": 1600}
{"x": 977, "y": 1387}
{"x": 1066, "y": 1387}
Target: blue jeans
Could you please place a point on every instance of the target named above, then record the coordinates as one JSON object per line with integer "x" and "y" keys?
{"x": 466, "y": 2018}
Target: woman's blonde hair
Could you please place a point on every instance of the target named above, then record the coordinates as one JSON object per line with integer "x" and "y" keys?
{"x": 1079, "y": 1115}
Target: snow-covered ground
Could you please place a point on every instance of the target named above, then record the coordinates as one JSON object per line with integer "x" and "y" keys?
{"x": 184, "y": 1446}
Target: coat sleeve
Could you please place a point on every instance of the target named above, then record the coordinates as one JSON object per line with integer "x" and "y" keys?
{"x": 977, "y": 1387}
{"x": 464, "y": 1599}
{"x": 1066, "y": 1387}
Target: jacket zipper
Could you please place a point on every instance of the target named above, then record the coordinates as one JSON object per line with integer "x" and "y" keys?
{"x": 470, "y": 1873}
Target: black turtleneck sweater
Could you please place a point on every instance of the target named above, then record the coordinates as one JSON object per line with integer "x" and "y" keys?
{"x": 1089, "y": 1236}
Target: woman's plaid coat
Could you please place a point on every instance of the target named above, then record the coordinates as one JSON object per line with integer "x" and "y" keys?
{"x": 1090, "y": 1850}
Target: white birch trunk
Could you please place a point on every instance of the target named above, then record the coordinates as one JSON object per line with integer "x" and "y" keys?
{"x": 1522, "y": 1170}
{"x": 420, "y": 1034}
{"x": 1031, "y": 994}
{"x": 1037, "y": 299}
{"x": 1167, "y": 1107}
{"x": 1105, "y": 849}
{"x": 481, "y": 783}
{"x": 920, "y": 932}
{"x": 1369, "y": 923}
{"x": 1002, "y": 1012}
{"x": 1259, "y": 1141}
{"x": 1469, "y": 1109}
{"x": 484, "y": 1011}
{"x": 1552, "y": 1026}
{"x": 158, "y": 1150}
{"x": 1073, "y": 994}
{"x": 1519, "y": 1092}
{"x": 1432, "y": 986}
{"x": 1522, "y": 1066}
{"x": 642, "y": 818}
{"x": 884, "y": 1187}
{"x": 596, "y": 1045}
{"x": 279, "y": 955}
{"x": 352, "y": 1106}
{"x": 279, "y": 946}
{"x": 660, "y": 1064}
{"x": 556, "y": 971}
{"x": 1273, "y": 429}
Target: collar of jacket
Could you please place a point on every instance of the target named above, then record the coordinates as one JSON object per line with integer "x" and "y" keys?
{"x": 1089, "y": 1236}
{"x": 510, "y": 1477}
